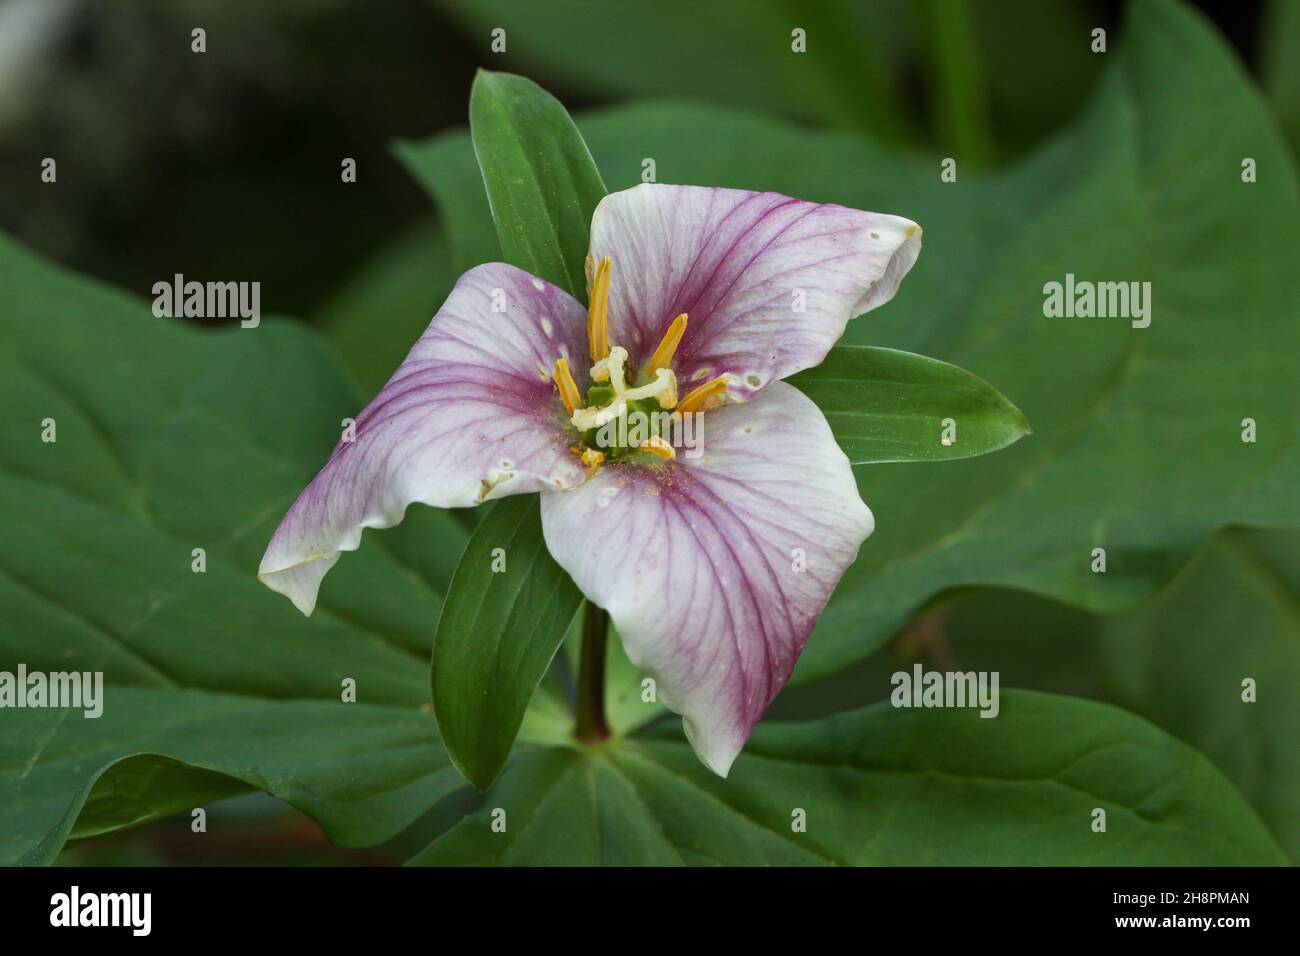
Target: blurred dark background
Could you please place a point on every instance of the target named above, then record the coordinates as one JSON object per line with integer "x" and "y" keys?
{"x": 226, "y": 164}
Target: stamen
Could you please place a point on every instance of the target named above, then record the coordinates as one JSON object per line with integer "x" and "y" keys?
{"x": 569, "y": 393}
{"x": 598, "y": 312}
{"x": 658, "y": 447}
{"x": 668, "y": 345}
{"x": 592, "y": 457}
{"x": 708, "y": 395}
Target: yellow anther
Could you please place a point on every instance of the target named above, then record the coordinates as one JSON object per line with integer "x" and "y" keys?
{"x": 589, "y": 269}
{"x": 598, "y": 312}
{"x": 658, "y": 447}
{"x": 668, "y": 345}
{"x": 708, "y": 395}
{"x": 569, "y": 393}
{"x": 591, "y": 457}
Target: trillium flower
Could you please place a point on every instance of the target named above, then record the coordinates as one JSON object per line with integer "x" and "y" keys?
{"x": 713, "y": 567}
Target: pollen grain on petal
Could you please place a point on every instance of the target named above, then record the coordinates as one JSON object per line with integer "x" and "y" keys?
{"x": 708, "y": 395}
{"x": 668, "y": 345}
{"x": 569, "y": 393}
{"x": 598, "y": 312}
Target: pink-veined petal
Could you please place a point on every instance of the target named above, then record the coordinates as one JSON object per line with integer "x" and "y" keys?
{"x": 768, "y": 282}
{"x": 714, "y": 570}
{"x": 471, "y": 414}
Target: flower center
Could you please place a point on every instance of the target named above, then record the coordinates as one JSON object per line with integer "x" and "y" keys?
{"x": 615, "y": 418}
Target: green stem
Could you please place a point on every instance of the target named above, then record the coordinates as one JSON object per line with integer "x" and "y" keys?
{"x": 958, "y": 82}
{"x": 592, "y": 728}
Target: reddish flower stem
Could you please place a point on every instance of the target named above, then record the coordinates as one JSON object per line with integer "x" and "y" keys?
{"x": 592, "y": 728}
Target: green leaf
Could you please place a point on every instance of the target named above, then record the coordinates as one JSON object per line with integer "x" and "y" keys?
{"x": 378, "y": 312}
{"x": 541, "y": 182}
{"x": 884, "y": 406}
{"x": 1181, "y": 661}
{"x": 171, "y": 439}
{"x": 956, "y": 74}
{"x": 1178, "y": 660}
{"x": 878, "y": 786}
{"x": 505, "y": 616}
{"x": 1137, "y": 445}
{"x": 363, "y": 772}
{"x": 445, "y": 165}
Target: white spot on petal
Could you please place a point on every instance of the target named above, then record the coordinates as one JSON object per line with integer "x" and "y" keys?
{"x": 539, "y": 285}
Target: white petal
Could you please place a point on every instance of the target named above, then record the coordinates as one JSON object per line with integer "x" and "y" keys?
{"x": 715, "y": 570}
{"x": 471, "y": 414}
{"x": 768, "y": 282}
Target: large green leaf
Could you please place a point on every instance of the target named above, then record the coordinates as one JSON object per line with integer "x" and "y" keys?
{"x": 884, "y": 405}
{"x": 376, "y": 314}
{"x": 1179, "y": 660}
{"x": 363, "y": 772}
{"x": 1137, "y": 446}
{"x": 878, "y": 786}
{"x": 505, "y": 616}
{"x": 541, "y": 183}
{"x": 170, "y": 439}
